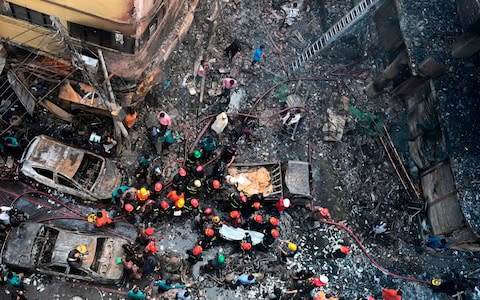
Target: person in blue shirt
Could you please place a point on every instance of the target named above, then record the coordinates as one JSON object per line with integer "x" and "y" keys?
{"x": 118, "y": 193}
{"x": 183, "y": 295}
{"x": 259, "y": 53}
{"x": 136, "y": 294}
{"x": 15, "y": 280}
{"x": 246, "y": 280}
{"x": 166, "y": 285}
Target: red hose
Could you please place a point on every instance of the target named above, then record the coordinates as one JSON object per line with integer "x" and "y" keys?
{"x": 372, "y": 260}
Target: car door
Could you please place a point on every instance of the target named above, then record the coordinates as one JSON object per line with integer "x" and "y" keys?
{"x": 80, "y": 274}
{"x": 68, "y": 186}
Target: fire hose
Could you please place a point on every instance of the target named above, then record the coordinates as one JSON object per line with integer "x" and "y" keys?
{"x": 372, "y": 260}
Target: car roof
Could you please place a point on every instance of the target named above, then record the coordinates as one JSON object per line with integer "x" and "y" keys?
{"x": 53, "y": 155}
{"x": 67, "y": 241}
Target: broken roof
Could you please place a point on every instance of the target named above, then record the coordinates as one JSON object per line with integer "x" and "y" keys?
{"x": 428, "y": 28}
{"x": 459, "y": 109}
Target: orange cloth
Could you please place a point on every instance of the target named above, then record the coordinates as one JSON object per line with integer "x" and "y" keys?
{"x": 103, "y": 220}
{"x": 390, "y": 294}
{"x": 172, "y": 195}
{"x": 130, "y": 119}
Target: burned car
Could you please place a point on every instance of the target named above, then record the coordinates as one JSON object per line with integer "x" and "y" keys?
{"x": 69, "y": 170}
{"x": 44, "y": 249}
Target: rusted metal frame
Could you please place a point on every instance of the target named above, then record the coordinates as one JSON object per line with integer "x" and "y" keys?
{"x": 410, "y": 182}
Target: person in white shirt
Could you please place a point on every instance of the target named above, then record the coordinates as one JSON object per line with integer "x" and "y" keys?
{"x": 4, "y": 216}
{"x": 292, "y": 13}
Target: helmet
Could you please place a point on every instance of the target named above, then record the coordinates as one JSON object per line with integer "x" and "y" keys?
{"x": 157, "y": 171}
{"x": 216, "y": 219}
{"x": 216, "y": 184}
{"x": 323, "y": 279}
{"x": 194, "y": 202}
{"x": 324, "y": 212}
{"x": 436, "y": 282}
{"x": 208, "y": 211}
{"x": 151, "y": 247}
{"x": 197, "y": 153}
{"x": 274, "y": 221}
{"x": 197, "y": 250}
{"x": 345, "y": 249}
{"x": 180, "y": 203}
{"x": 316, "y": 282}
{"x": 286, "y": 202}
{"x": 258, "y": 218}
{"x": 158, "y": 187}
{"x": 182, "y": 172}
{"x": 221, "y": 259}
{"x": 246, "y": 246}
{"x": 243, "y": 198}
{"x": 149, "y": 230}
{"x": 82, "y": 249}
{"x": 234, "y": 214}
{"x": 257, "y": 205}
{"x": 275, "y": 233}
{"x": 209, "y": 232}
{"x": 197, "y": 183}
{"x": 292, "y": 246}
{"x": 143, "y": 194}
{"x": 199, "y": 168}
{"x": 129, "y": 208}
{"x": 164, "y": 205}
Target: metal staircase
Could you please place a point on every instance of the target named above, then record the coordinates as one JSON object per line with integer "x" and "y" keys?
{"x": 351, "y": 17}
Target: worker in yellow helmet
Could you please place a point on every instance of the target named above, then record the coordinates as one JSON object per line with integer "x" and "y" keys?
{"x": 287, "y": 249}
{"x": 143, "y": 194}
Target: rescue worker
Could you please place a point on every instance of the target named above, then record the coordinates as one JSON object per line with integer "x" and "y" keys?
{"x": 235, "y": 218}
{"x": 174, "y": 195}
{"x": 143, "y": 194}
{"x": 195, "y": 254}
{"x": 118, "y": 192}
{"x": 179, "y": 181}
{"x": 268, "y": 239}
{"x": 198, "y": 172}
{"x": 151, "y": 248}
{"x": 157, "y": 188}
{"x": 166, "y": 285}
{"x": 74, "y": 259}
{"x": 256, "y": 222}
{"x": 282, "y": 204}
{"x": 209, "y": 145}
{"x": 193, "y": 206}
{"x": 287, "y": 249}
{"x": 103, "y": 219}
{"x": 193, "y": 159}
{"x": 193, "y": 188}
{"x": 217, "y": 222}
{"x": 145, "y": 236}
{"x": 246, "y": 243}
{"x": 218, "y": 263}
{"x": 208, "y": 238}
{"x": 156, "y": 174}
{"x": 165, "y": 207}
{"x": 237, "y": 201}
{"x": 213, "y": 187}
{"x": 143, "y": 165}
{"x": 245, "y": 280}
{"x": 391, "y": 294}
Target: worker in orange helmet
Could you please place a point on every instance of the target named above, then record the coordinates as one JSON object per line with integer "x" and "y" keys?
{"x": 129, "y": 208}
{"x": 235, "y": 218}
{"x": 103, "y": 219}
{"x": 143, "y": 194}
{"x": 339, "y": 252}
{"x": 145, "y": 236}
{"x": 268, "y": 239}
{"x": 274, "y": 221}
{"x": 158, "y": 187}
{"x": 391, "y": 294}
{"x": 256, "y": 222}
{"x": 195, "y": 254}
{"x": 208, "y": 239}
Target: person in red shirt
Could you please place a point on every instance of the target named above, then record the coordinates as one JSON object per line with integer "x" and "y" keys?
{"x": 391, "y": 294}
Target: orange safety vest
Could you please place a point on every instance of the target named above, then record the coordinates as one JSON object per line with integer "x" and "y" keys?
{"x": 172, "y": 195}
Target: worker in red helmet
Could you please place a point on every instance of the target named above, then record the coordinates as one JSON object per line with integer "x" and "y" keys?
{"x": 103, "y": 219}
{"x": 208, "y": 239}
{"x": 179, "y": 180}
{"x": 213, "y": 187}
{"x": 193, "y": 206}
{"x": 338, "y": 252}
{"x": 145, "y": 236}
{"x": 282, "y": 204}
{"x": 151, "y": 248}
{"x": 165, "y": 207}
{"x": 198, "y": 172}
{"x": 235, "y": 218}
{"x": 268, "y": 239}
{"x": 246, "y": 243}
{"x": 256, "y": 222}
{"x": 257, "y": 205}
{"x": 195, "y": 254}
{"x": 157, "y": 188}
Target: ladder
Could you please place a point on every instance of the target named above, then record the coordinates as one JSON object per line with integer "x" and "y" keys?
{"x": 351, "y": 17}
